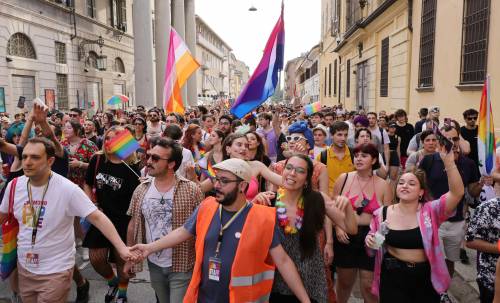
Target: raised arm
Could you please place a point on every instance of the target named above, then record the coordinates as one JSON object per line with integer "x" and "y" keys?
{"x": 8, "y": 148}
{"x": 40, "y": 116}
{"x": 455, "y": 184}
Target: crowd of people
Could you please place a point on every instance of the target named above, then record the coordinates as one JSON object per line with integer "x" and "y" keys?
{"x": 274, "y": 207}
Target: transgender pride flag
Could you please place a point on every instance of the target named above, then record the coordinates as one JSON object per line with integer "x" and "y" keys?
{"x": 265, "y": 77}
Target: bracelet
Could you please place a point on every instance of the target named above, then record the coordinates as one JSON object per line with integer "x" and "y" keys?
{"x": 446, "y": 169}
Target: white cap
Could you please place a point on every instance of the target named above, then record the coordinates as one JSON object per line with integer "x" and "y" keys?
{"x": 238, "y": 167}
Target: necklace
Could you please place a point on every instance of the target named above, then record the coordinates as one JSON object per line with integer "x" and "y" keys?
{"x": 283, "y": 219}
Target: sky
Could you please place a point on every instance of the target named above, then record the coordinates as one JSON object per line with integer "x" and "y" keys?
{"x": 247, "y": 32}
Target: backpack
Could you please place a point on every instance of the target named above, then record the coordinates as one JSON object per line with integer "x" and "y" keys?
{"x": 324, "y": 156}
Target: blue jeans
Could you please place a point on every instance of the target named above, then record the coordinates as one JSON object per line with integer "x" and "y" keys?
{"x": 170, "y": 287}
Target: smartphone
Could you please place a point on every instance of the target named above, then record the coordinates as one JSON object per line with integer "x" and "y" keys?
{"x": 448, "y": 145}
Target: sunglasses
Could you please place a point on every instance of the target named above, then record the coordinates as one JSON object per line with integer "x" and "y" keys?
{"x": 294, "y": 138}
{"x": 472, "y": 118}
{"x": 298, "y": 170}
{"x": 155, "y": 158}
{"x": 123, "y": 123}
{"x": 73, "y": 115}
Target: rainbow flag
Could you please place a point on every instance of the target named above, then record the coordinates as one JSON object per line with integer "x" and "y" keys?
{"x": 123, "y": 144}
{"x": 312, "y": 108}
{"x": 486, "y": 133}
{"x": 209, "y": 172}
{"x": 264, "y": 79}
{"x": 180, "y": 65}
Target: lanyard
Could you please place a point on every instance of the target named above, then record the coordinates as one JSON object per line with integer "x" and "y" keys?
{"x": 226, "y": 226}
{"x": 36, "y": 217}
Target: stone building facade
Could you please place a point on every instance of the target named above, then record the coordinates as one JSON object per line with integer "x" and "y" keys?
{"x": 74, "y": 53}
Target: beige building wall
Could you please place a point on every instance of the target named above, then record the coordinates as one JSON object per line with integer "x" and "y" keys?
{"x": 446, "y": 91}
{"x": 363, "y": 46}
{"x": 330, "y": 38}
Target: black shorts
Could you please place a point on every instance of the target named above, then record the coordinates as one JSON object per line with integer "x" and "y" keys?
{"x": 353, "y": 255}
{"x": 394, "y": 158}
{"x": 95, "y": 239}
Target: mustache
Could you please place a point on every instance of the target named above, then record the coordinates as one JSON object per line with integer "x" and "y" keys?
{"x": 149, "y": 166}
{"x": 218, "y": 192}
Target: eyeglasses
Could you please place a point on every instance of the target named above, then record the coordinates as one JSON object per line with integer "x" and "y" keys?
{"x": 472, "y": 118}
{"x": 224, "y": 181}
{"x": 295, "y": 138}
{"x": 298, "y": 170}
{"x": 155, "y": 158}
{"x": 123, "y": 123}
{"x": 73, "y": 115}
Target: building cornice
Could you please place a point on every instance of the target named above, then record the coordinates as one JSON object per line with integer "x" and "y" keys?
{"x": 364, "y": 23}
{"x": 213, "y": 32}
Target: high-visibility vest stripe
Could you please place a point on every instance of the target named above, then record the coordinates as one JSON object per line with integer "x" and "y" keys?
{"x": 252, "y": 280}
{"x": 263, "y": 299}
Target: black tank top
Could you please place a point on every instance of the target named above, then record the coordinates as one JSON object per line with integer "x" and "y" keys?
{"x": 404, "y": 239}
{"x": 393, "y": 144}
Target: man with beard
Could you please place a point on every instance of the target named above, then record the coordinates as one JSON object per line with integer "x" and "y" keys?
{"x": 159, "y": 205}
{"x": 155, "y": 125}
{"x": 89, "y": 128}
{"x": 237, "y": 244}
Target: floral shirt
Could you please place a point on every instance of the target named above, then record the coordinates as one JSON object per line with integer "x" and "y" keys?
{"x": 485, "y": 225}
{"x": 86, "y": 149}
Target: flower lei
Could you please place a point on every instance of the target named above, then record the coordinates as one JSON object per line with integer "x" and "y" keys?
{"x": 283, "y": 220}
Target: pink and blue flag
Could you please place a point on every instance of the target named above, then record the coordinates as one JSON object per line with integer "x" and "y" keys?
{"x": 486, "y": 132}
{"x": 264, "y": 79}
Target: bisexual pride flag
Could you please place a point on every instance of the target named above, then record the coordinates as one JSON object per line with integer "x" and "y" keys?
{"x": 264, "y": 79}
{"x": 486, "y": 133}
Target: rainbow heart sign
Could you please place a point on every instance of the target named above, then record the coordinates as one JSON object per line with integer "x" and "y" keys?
{"x": 117, "y": 99}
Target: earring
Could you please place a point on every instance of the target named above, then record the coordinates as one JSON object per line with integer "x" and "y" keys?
{"x": 420, "y": 197}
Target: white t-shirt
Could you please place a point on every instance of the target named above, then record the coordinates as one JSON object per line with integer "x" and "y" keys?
{"x": 157, "y": 209}
{"x": 55, "y": 240}
{"x": 187, "y": 158}
{"x": 376, "y": 133}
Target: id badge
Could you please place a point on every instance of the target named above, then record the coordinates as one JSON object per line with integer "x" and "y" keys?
{"x": 214, "y": 265}
{"x": 32, "y": 260}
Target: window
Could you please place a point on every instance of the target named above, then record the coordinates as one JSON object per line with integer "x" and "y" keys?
{"x": 62, "y": 91}
{"x": 119, "y": 14}
{"x": 92, "y": 59}
{"x": 475, "y": 32}
{"x": 353, "y": 13}
{"x": 427, "y": 37}
{"x": 91, "y": 9}
{"x": 20, "y": 45}
{"x": 118, "y": 66}
{"x": 325, "y": 83}
{"x": 348, "y": 80}
{"x": 384, "y": 68}
{"x": 335, "y": 77}
{"x": 60, "y": 52}
{"x": 329, "y": 80}
{"x": 314, "y": 68}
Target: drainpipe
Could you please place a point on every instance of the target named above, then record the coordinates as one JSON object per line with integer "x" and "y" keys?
{"x": 409, "y": 56}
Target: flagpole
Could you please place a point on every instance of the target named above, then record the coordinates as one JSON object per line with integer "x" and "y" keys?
{"x": 131, "y": 169}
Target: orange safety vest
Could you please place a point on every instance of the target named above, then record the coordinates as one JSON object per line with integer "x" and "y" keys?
{"x": 252, "y": 272}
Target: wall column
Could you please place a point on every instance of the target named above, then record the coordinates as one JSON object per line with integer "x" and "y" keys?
{"x": 162, "y": 40}
{"x": 179, "y": 23}
{"x": 192, "y": 90}
{"x": 143, "y": 54}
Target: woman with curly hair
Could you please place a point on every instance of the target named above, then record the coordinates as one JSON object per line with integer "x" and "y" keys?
{"x": 192, "y": 141}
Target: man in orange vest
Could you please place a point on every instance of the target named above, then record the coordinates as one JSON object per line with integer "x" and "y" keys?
{"x": 237, "y": 244}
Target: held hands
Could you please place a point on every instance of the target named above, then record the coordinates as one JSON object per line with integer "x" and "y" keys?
{"x": 129, "y": 255}
{"x": 142, "y": 251}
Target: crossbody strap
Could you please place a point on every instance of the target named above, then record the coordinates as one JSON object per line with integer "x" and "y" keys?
{"x": 11, "y": 196}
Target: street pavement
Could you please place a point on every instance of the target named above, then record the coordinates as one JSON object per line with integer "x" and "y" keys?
{"x": 463, "y": 288}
